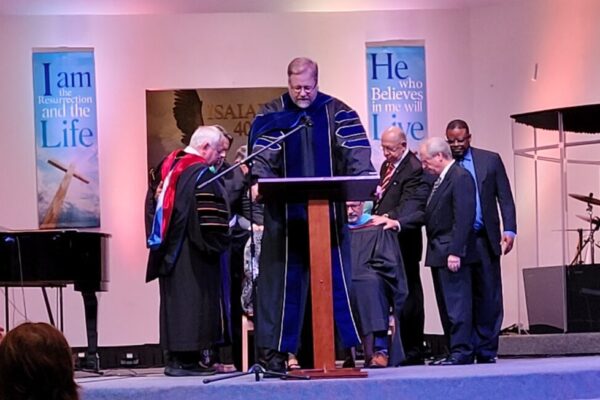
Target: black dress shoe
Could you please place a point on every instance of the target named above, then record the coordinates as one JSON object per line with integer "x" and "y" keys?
{"x": 349, "y": 362}
{"x": 175, "y": 368}
{"x": 486, "y": 360}
{"x": 273, "y": 360}
{"x": 412, "y": 361}
{"x": 451, "y": 360}
{"x": 91, "y": 362}
{"x": 277, "y": 365}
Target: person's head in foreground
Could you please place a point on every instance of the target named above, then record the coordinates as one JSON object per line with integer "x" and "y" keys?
{"x": 36, "y": 364}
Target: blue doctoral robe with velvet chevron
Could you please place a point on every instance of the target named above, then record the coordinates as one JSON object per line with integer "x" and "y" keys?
{"x": 335, "y": 145}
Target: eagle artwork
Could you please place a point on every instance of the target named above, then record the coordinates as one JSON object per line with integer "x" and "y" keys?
{"x": 187, "y": 110}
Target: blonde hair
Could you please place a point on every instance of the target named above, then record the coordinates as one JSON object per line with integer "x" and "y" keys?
{"x": 301, "y": 64}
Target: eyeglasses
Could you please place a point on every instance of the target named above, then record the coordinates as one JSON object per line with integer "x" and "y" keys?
{"x": 307, "y": 89}
{"x": 395, "y": 148}
{"x": 458, "y": 141}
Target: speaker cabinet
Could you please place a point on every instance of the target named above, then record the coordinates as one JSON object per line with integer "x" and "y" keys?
{"x": 563, "y": 299}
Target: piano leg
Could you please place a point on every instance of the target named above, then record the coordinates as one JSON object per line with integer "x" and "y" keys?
{"x": 48, "y": 308}
{"x": 90, "y": 303}
{"x": 6, "y": 309}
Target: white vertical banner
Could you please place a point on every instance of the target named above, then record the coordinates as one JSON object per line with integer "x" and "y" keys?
{"x": 397, "y": 91}
{"x": 66, "y": 138}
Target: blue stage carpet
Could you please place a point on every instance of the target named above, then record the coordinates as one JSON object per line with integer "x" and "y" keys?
{"x": 540, "y": 378}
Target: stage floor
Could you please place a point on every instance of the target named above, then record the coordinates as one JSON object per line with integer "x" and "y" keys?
{"x": 531, "y": 378}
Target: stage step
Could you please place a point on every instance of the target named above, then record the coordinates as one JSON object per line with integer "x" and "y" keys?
{"x": 562, "y": 344}
{"x": 517, "y": 379}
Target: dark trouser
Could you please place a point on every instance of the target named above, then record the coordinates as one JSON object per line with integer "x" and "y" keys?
{"x": 453, "y": 292}
{"x": 487, "y": 301}
{"x": 412, "y": 320}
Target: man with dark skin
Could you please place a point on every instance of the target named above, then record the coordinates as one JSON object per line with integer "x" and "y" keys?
{"x": 492, "y": 192}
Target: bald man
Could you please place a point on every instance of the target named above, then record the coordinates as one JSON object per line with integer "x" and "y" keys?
{"x": 401, "y": 207}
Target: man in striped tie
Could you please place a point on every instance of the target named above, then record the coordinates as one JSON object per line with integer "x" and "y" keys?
{"x": 401, "y": 207}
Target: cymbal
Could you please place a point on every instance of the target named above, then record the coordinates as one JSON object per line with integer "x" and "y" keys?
{"x": 571, "y": 230}
{"x": 586, "y": 199}
{"x": 593, "y": 220}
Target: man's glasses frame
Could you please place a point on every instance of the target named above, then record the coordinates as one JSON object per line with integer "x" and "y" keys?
{"x": 395, "y": 148}
{"x": 307, "y": 89}
{"x": 458, "y": 141}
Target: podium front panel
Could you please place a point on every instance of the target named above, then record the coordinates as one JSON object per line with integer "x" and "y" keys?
{"x": 337, "y": 188}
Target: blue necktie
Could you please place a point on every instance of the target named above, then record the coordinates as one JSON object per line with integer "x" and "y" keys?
{"x": 470, "y": 167}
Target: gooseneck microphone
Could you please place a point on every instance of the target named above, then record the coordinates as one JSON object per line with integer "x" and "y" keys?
{"x": 306, "y": 120}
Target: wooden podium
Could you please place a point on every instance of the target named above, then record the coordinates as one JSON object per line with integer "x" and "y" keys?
{"x": 318, "y": 192}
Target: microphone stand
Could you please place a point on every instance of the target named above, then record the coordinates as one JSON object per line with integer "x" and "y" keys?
{"x": 251, "y": 156}
{"x": 256, "y": 369}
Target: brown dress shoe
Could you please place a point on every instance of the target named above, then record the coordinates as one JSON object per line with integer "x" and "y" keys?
{"x": 379, "y": 360}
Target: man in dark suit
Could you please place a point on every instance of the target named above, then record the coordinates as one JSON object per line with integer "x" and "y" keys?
{"x": 493, "y": 190}
{"x": 401, "y": 206}
{"x": 451, "y": 254}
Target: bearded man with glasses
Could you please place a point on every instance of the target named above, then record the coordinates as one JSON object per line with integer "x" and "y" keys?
{"x": 332, "y": 142}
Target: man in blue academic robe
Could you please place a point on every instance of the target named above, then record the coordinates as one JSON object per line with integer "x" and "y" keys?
{"x": 333, "y": 142}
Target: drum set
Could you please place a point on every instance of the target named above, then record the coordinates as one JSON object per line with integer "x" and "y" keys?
{"x": 589, "y": 243}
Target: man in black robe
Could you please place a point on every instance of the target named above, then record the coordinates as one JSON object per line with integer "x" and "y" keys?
{"x": 378, "y": 285}
{"x": 333, "y": 142}
{"x": 188, "y": 234}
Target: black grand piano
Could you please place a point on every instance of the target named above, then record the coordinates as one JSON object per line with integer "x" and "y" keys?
{"x": 56, "y": 258}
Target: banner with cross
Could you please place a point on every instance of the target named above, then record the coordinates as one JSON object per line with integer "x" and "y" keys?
{"x": 66, "y": 138}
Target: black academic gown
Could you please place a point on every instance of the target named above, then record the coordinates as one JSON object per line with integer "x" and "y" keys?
{"x": 187, "y": 264}
{"x": 378, "y": 283}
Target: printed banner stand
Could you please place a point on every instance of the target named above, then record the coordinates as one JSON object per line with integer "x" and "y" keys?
{"x": 397, "y": 90}
{"x": 66, "y": 138}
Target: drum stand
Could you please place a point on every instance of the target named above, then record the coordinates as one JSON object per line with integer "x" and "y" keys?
{"x": 589, "y": 241}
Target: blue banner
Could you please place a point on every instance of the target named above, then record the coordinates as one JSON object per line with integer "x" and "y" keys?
{"x": 397, "y": 90}
{"x": 66, "y": 138}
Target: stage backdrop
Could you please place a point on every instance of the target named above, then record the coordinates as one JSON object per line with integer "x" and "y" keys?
{"x": 397, "y": 93}
{"x": 173, "y": 115}
{"x": 66, "y": 138}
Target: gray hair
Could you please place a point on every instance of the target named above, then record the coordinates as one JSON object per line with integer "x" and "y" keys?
{"x": 206, "y": 134}
{"x": 301, "y": 64}
{"x": 437, "y": 145}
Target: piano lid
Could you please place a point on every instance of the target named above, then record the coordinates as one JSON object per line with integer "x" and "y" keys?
{"x": 54, "y": 257}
